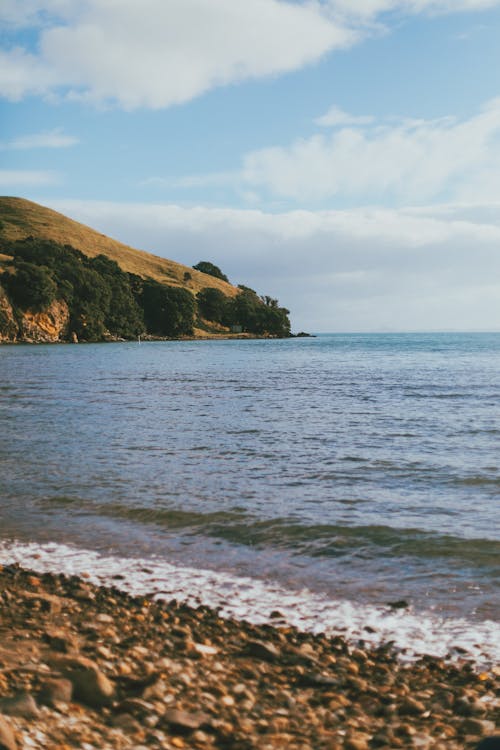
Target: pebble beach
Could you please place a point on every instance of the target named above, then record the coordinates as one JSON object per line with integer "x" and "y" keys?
{"x": 86, "y": 666}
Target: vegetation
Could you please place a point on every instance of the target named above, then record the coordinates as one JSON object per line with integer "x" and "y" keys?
{"x": 259, "y": 315}
{"x": 168, "y": 310}
{"x": 31, "y": 286}
{"x": 97, "y": 291}
{"x": 21, "y": 218}
{"x": 212, "y": 304}
{"x": 206, "y": 267}
{"x": 107, "y": 301}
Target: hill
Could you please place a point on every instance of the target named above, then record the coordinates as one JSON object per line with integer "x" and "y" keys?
{"x": 20, "y": 218}
{"x": 63, "y": 281}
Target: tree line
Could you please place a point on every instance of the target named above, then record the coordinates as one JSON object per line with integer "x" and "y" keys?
{"x": 104, "y": 301}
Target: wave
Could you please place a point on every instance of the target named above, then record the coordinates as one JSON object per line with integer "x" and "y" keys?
{"x": 237, "y": 526}
{"x": 262, "y": 602}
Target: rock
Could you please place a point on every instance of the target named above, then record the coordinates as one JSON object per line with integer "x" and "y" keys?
{"x": 44, "y": 602}
{"x": 9, "y": 327}
{"x": 7, "y": 737}
{"x": 204, "y": 650}
{"x": 83, "y": 593}
{"x": 184, "y": 721}
{"x": 422, "y": 741}
{"x": 60, "y": 640}
{"x": 357, "y": 742}
{"x": 399, "y": 604}
{"x": 127, "y": 723}
{"x": 90, "y": 685}
{"x": 357, "y": 684}
{"x": 136, "y": 707}
{"x": 104, "y": 619}
{"x": 55, "y": 691}
{"x": 313, "y": 679}
{"x": 48, "y": 326}
{"x": 465, "y": 707}
{"x": 477, "y": 727}
{"x": 262, "y": 650}
{"x": 22, "y": 705}
{"x": 411, "y": 707}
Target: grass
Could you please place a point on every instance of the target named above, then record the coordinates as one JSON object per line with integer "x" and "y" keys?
{"x": 21, "y": 218}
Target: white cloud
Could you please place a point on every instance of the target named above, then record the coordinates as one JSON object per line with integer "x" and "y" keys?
{"x": 15, "y": 178}
{"x": 370, "y": 9}
{"x": 49, "y": 139}
{"x": 155, "y": 54}
{"x": 360, "y": 269}
{"x": 22, "y": 73}
{"x": 409, "y": 161}
{"x": 336, "y": 116}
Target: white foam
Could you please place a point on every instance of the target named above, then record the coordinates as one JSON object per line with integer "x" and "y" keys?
{"x": 254, "y": 600}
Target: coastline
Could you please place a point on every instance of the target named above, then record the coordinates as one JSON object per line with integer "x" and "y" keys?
{"x": 94, "y": 667}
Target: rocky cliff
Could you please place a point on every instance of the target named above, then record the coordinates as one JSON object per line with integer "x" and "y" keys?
{"x": 46, "y": 327}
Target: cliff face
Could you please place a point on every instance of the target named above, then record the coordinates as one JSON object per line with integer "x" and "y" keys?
{"x": 46, "y": 327}
{"x": 8, "y": 324}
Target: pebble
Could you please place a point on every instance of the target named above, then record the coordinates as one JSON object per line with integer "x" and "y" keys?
{"x": 55, "y": 691}
{"x": 23, "y": 705}
{"x": 262, "y": 650}
{"x": 184, "y": 720}
{"x": 90, "y": 685}
{"x": 7, "y": 737}
{"x": 118, "y": 672}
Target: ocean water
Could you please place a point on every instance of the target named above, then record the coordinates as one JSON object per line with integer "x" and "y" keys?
{"x": 321, "y": 478}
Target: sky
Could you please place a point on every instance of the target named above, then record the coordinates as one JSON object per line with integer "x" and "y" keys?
{"x": 340, "y": 155}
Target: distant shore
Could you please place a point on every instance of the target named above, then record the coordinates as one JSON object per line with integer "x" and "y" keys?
{"x": 202, "y": 336}
{"x": 86, "y": 666}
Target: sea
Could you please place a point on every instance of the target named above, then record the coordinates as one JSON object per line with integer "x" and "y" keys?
{"x": 343, "y": 483}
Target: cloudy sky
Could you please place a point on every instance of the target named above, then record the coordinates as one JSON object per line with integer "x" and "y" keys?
{"x": 341, "y": 155}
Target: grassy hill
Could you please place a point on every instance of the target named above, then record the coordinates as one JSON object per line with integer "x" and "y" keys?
{"x": 20, "y": 218}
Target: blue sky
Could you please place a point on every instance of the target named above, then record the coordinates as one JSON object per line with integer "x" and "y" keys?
{"x": 341, "y": 155}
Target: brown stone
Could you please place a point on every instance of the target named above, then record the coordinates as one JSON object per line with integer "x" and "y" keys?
{"x": 356, "y": 742}
{"x": 184, "y": 721}
{"x": 60, "y": 640}
{"x": 127, "y": 723}
{"x": 90, "y": 685}
{"x": 55, "y": 691}
{"x": 411, "y": 707}
{"x": 262, "y": 650}
{"x": 22, "y": 705}
{"x": 42, "y": 601}
{"x": 7, "y": 736}
{"x": 477, "y": 727}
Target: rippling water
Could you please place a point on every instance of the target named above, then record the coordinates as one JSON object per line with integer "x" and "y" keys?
{"x": 363, "y": 467}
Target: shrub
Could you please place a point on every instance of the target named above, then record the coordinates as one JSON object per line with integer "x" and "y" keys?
{"x": 206, "y": 267}
{"x": 168, "y": 310}
{"x": 31, "y": 287}
{"x": 212, "y": 304}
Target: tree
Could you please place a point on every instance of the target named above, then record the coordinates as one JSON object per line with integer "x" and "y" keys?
{"x": 123, "y": 317}
{"x": 260, "y": 315}
{"x": 206, "y": 267}
{"x": 168, "y": 310}
{"x": 212, "y": 304}
{"x": 31, "y": 287}
{"x": 90, "y": 306}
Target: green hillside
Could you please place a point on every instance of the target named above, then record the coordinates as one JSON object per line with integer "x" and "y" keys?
{"x": 21, "y": 218}
{"x": 63, "y": 281}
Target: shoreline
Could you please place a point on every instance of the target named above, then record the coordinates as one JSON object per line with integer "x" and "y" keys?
{"x": 89, "y": 666}
{"x": 153, "y": 339}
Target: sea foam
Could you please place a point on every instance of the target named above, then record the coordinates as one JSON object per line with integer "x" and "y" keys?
{"x": 411, "y": 634}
